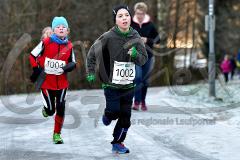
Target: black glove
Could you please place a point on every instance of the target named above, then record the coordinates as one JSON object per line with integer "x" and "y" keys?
{"x": 35, "y": 74}
{"x": 69, "y": 67}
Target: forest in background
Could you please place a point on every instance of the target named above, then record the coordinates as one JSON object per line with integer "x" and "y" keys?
{"x": 180, "y": 24}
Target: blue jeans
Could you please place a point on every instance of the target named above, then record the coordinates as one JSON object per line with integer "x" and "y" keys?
{"x": 142, "y": 80}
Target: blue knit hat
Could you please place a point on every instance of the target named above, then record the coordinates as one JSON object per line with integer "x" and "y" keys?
{"x": 59, "y": 21}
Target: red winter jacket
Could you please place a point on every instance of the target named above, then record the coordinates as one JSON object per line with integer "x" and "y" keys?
{"x": 51, "y": 50}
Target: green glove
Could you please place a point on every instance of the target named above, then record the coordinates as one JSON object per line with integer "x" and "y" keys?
{"x": 134, "y": 52}
{"x": 91, "y": 78}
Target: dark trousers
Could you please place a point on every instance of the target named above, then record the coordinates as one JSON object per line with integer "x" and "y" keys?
{"x": 232, "y": 73}
{"x": 118, "y": 107}
{"x": 226, "y": 77}
{"x": 55, "y": 100}
{"x": 52, "y": 97}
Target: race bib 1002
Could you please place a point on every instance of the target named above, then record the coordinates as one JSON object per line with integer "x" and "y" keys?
{"x": 123, "y": 73}
{"x": 52, "y": 66}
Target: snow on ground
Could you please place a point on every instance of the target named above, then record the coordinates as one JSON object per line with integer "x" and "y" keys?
{"x": 182, "y": 123}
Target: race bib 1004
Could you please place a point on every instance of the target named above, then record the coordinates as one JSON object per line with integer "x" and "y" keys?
{"x": 52, "y": 66}
{"x": 123, "y": 73}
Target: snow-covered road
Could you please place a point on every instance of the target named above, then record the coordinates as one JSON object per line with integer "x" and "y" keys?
{"x": 176, "y": 127}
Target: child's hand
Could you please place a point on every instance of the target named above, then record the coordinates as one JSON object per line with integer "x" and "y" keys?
{"x": 35, "y": 74}
{"x": 144, "y": 39}
{"x": 130, "y": 51}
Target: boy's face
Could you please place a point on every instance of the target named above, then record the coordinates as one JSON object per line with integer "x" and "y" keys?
{"x": 61, "y": 31}
{"x": 123, "y": 19}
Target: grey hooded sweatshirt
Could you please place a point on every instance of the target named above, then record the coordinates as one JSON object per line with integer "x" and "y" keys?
{"x": 114, "y": 46}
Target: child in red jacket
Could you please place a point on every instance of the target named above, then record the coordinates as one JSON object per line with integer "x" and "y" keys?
{"x": 54, "y": 55}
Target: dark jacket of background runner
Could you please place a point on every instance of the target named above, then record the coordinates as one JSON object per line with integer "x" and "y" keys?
{"x": 148, "y": 30}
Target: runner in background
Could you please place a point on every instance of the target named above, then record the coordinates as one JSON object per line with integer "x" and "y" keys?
{"x": 142, "y": 23}
{"x": 46, "y": 32}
